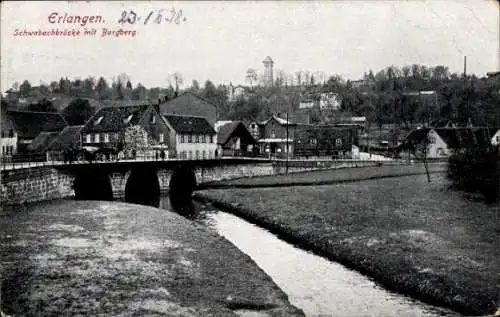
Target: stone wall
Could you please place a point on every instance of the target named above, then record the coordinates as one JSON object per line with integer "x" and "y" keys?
{"x": 45, "y": 183}
{"x": 34, "y": 184}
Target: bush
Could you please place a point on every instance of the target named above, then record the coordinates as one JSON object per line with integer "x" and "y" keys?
{"x": 477, "y": 171}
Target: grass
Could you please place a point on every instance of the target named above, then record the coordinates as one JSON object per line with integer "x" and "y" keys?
{"x": 414, "y": 237}
{"x": 328, "y": 176}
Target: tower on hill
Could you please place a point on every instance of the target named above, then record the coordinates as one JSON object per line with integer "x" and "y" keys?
{"x": 268, "y": 71}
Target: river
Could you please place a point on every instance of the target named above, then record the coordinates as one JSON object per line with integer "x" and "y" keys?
{"x": 316, "y": 285}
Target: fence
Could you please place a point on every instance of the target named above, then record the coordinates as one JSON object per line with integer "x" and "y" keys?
{"x": 20, "y": 161}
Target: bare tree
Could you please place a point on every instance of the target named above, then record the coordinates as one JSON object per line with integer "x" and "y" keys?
{"x": 251, "y": 76}
{"x": 298, "y": 75}
{"x": 176, "y": 80}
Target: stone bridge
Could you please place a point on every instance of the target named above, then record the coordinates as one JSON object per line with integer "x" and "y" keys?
{"x": 137, "y": 182}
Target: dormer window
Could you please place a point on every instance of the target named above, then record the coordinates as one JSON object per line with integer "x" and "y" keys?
{"x": 127, "y": 120}
{"x": 96, "y": 122}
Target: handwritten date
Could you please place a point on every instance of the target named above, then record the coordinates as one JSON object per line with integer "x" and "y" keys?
{"x": 153, "y": 17}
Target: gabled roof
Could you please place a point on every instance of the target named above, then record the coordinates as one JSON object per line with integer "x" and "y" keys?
{"x": 115, "y": 118}
{"x": 185, "y": 101}
{"x": 42, "y": 141}
{"x": 69, "y": 137}
{"x": 455, "y": 138}
{"x": 189, "y": 124}
{"x": 233, "y": 128}
{"x": 29, "y": 124}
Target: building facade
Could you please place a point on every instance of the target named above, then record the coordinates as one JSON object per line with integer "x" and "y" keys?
{"x": 323, "y": 140}
{"x": 234, "y": 139}
{"x": 191, "y": 137}
{"x": 330, "y": 101}
{"x": 276, "y": 136}
{"x": 107, "y": 128}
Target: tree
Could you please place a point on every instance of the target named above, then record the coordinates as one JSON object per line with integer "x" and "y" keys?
{"x": 43, "y": 105}
{"x": 78, "y": 112}
{"x": 88, "y": 86}
{"x": 195, "y": 86}
{"x": 298, "y": 75}
{"x": 139, "y": 93}
{"x": 102, "y": 89}
{"x": 25, "y": 89}
{"x": 251, "y": 76}
{"x": 137, "y": 141}
{"x": 53, "y": 86}
{"x": 177, "y": 80}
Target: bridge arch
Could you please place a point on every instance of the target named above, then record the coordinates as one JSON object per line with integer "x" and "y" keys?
{"x": 142, "y": 187}
{"x": 183, "y": 182}
{"x": 93, "y": 185}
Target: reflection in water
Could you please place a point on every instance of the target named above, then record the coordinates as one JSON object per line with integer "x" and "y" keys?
{"x": 314, "y": 284}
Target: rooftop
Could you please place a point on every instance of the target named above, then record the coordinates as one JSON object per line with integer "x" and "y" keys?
{"x": 189, "y": 124}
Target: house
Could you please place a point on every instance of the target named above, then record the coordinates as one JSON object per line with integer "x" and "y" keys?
{"x": 22, "y": 127}
{"x": 108, "y": 126}
{"x": 67, "y": 139}
{"x": 191, "y": 137}
{"x": 235, "y": 92}
{"x": 190, "y": 104}
{"x": 330, "y": 101}
{"x": 42, "y": 142}
{"x": 323, "y": 140}
{"x": 276, "y": 136}
{"x": 443, "y": 141}
{"x": 9, "y": 135}
{"x": 233, "y": 138}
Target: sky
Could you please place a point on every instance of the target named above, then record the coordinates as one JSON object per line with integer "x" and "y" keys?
{"x": 221, "y": 40}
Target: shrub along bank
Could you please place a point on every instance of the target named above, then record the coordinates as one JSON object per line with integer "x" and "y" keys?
{"x": 414, "y": 237}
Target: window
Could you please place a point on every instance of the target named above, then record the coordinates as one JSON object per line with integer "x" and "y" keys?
{"x": 106, "y": 138}
{"x": 204, "y": 153}
{"x": 88, "y": 138}
{"x": 162, "y": 138}
{"x": 196, "y": 138}
{"x": 440, "y": 152}
{"x": 190, "y": 139}
{"x": 203, "y": 139}
{"x": 190, "y": 154}
{"x": 182, "y": 139}
{"x": 183, "y": 154}
{"x": 313, "y": 141}
{"x": 3, "y": 150}
{"x": 11, "y": 133}
{"x": 96, "y": 138}
{"x": 211, "y": 139}
{"x": 197, "y": 154}
{"x": 3, "y": 134}
{"x": 498, "y": 139}
{"x": 273, "y": 133}
{"x": 432, "y": 139}
{"x": 153, "y": 119}
{"x": 338, "y": 141}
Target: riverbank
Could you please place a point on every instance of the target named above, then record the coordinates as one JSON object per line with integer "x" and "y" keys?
{"x": 116, "y": 259}
{"x": 327, "y": 176}
{"x": 414, "y": 237}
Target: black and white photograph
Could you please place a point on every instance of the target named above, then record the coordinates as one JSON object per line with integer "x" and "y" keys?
{"x": 336, "y": 158}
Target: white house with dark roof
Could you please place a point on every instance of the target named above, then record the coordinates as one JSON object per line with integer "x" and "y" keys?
{"x": 191, "y": 137}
